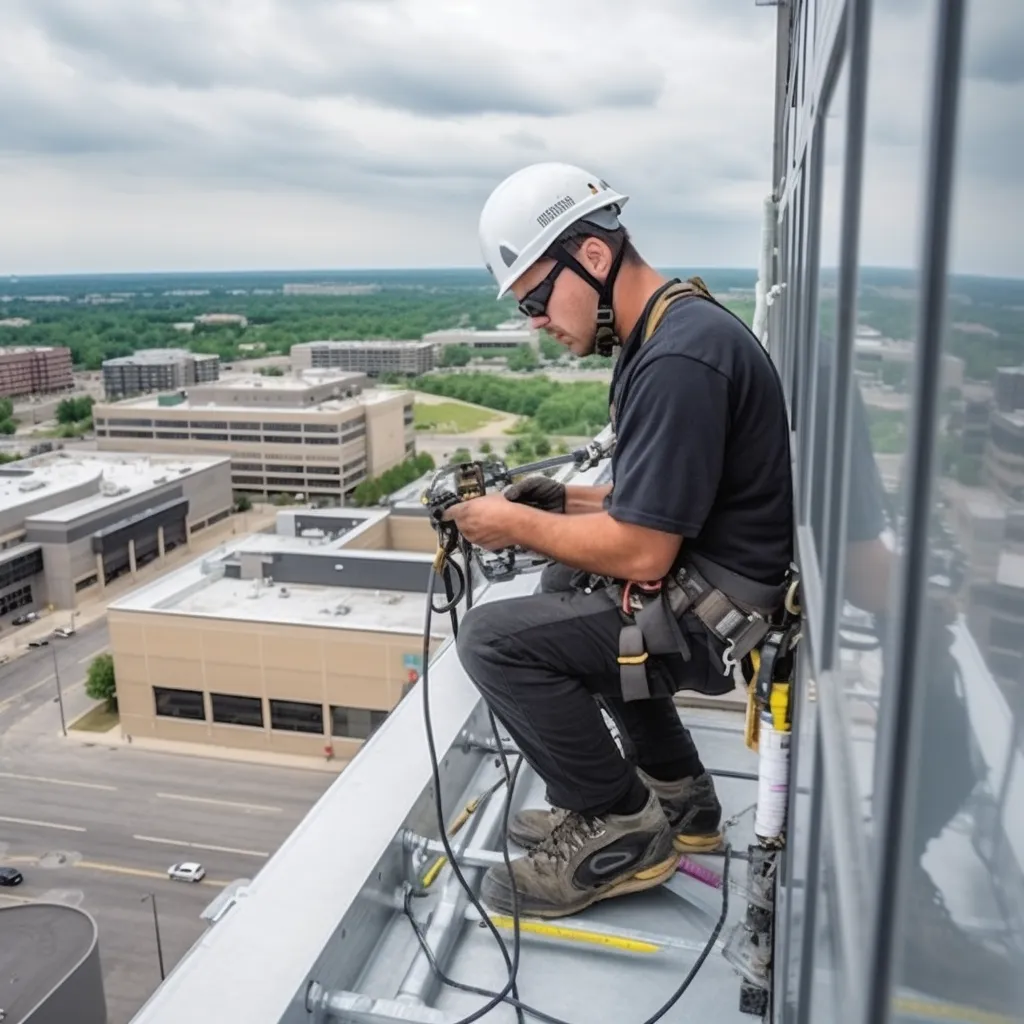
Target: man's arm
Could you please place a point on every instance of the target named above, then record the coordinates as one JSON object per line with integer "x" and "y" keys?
{"x": 594, "y": 542}
{"x": 583, "y": 498}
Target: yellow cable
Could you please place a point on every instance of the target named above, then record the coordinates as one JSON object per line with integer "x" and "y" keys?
{"x": 582, "y": 935}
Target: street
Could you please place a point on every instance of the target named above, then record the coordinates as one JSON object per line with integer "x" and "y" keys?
{"x": 28, "y": 682}
{"x": 98, "y": 826}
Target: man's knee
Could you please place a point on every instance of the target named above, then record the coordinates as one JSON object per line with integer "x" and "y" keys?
{"x": 479, "y": 629}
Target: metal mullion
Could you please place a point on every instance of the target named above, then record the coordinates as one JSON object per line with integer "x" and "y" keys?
{"x": 809, "y": 924}
{"x": 905, "y": 692}
{"x": 836, "y": 498}
{"x": 809, "y": 316}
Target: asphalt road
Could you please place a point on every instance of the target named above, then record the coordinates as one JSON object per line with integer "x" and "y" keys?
{"x": 29, "y": 681}
{"x": 98, "y": 826}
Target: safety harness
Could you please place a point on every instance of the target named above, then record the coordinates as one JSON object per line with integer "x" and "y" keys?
{"x": 736, "y": 610}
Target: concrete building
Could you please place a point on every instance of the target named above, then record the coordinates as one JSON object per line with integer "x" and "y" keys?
{"x": 50, "y": 970}
{"x": 409, "y": 358}
{"x": 872, "y": 352}
{"x": 69, "y": 521}
{"x": 316, "y": 434}
{"x": 157, "y": 369}
{"x": 34, "y": 371}
{"x": 298, "y": 642}
{"x": 507, "y": 335}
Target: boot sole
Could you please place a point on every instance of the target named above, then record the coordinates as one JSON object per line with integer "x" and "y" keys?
{"x": 683, "y": 843}
{"x": 648, "y": 878}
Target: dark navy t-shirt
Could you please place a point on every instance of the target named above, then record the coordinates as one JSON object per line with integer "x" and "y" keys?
{"x": 702, "y": 440}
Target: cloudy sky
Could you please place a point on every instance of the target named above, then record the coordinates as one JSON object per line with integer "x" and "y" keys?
{"x": 224, "y": 134}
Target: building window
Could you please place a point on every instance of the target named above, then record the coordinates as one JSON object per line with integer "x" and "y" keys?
{"x": 281, "y": 439}
{"x": 355, "y": 723}
{"x": 232, "y": 710}
{"x": 179, "y": 703}
{"x": 296, "y": 716}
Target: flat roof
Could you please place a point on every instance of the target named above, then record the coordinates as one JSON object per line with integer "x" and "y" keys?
{"x": 41, "y": 944}
{"x": 1010, "y": 570}
{"x": 305, "y": 381}
{"x": 200, "y": 589}
{"x": 371, "y": 396}
{"x": 126, "y": 475}
{"x": 147, "y": 356}
{"x": 379, "y": 343}
{"x": 20, "y": 350}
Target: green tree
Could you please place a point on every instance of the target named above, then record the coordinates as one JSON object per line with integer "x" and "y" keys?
{"x": 485, "y": 448}
{"x": 8, "y": 426}
{"x": 541, "y": 446}
{"x": 6, "y": 409}
{"x": 522, "y": 359}
{"x": 73, "y": 410}
{"x": 461, "y": 455}
{"x": 243, "y": 503}
{"x": 100, "y": 683}
{"x": 550, "y": 349}
{"x": 455, "y": 355}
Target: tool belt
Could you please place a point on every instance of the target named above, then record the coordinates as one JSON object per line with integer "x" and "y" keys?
{"x": 737, "y": 611}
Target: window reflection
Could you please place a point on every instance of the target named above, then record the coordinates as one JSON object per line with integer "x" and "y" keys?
{"x": 963, "y": 905}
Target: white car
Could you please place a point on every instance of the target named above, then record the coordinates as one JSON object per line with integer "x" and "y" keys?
{"x": 187, "y": 872}
{"x": 64, "y": 631}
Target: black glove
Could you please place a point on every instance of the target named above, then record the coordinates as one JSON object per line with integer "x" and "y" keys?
{"x": 539, "y": 491}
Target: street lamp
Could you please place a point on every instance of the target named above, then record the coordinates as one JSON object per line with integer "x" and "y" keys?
{"x": 60, "y": 695}
{"x": 156, "y": 926}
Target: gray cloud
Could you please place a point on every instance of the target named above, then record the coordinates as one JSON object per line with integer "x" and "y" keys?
{"x": 416, "y": 69}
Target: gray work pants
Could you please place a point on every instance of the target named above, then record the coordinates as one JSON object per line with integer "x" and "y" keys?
{"x": 540, "y": 660}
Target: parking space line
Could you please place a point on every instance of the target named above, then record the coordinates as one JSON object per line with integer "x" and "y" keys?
{"x": 56, "y": 782}
{"x": 220, "y": 803}
{"x": 200, "y": 846}
{"x": 42, "y": 824}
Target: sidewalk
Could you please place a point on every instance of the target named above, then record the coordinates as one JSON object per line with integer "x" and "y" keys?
{"x": 93, "y": 604}
{"x": 115, "y": 738}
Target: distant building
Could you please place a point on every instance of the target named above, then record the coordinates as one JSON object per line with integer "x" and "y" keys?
{"x": 318, "y": 433}
{"x": 223, "y": 319}
{"x": 508, "y": 335}
{"x": 70, "y": 521}
{"x": 15, "y": 321}
{"x": 1003, "y": 466}
{"x": 157, "y": 369}
{"x": 330, "y": 289}
{"x": 300, "y": 641}
{"x": 34, "y": 371}
{"x": 408, "y": 358}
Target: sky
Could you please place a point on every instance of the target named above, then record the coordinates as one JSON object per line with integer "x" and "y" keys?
{"x": 284, "y": 134}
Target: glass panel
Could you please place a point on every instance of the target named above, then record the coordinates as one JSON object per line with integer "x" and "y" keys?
{"x": 234, "y": 710}
{"x": 827, "y": 978}
{"x": 964, "y": 883}
{"x": 823, "y": 319}
{"x": 179, "y": 703}
{"x": 894, "y": 168}
{"x": 296, "y": 716}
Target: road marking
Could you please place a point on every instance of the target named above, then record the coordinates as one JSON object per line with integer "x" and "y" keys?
{"x": 56, "y": 782}
{"x": 200, "y": 846}
{"x": 16, "y": 899}
{"x": 43, "y": 824}
{"x": 220, "y": 803}
{"x": 120, "y": 869}
{"x": 23, "y": 693}
{"x": 89, "y": 657}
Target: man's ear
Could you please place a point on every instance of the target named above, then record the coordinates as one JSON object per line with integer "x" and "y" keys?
{"x": 596, "y": 257}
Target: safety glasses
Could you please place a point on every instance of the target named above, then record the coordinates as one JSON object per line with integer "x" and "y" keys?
{"x": 535, "y": 301}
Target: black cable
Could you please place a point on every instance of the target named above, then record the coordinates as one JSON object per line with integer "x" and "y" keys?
{"x": 510, "y": 985}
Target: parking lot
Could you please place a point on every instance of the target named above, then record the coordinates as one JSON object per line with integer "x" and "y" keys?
{"x": 99, "y": 826}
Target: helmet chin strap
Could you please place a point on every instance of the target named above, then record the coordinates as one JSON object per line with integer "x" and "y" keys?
{"x": 605, "y": 339}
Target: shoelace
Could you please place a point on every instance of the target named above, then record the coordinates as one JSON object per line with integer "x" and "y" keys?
{"x": 568, "y": 836}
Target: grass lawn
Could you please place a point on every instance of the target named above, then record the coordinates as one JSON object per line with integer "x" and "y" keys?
{"x": 99, "y": 719}
{"x": 450, "y": 417}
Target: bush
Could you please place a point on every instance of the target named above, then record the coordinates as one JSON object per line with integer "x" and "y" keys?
{"x": 100, "y": 683}
{"x": 243, "y": 503}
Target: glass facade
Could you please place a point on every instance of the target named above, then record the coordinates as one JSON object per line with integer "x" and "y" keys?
{"x": 898, "y": 329}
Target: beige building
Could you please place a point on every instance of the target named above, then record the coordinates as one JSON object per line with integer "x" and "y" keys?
{"x": 298, "y": 642}
{"x": 409, "y": 358}
{"x": 314, "y": 434}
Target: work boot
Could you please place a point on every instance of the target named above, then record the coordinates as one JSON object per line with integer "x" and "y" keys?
{"x": 943, "y": 961}
{"x": 690, "y": 805}
{"x": 584, "y": 859}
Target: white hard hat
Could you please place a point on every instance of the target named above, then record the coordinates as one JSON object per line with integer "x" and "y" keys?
{"x": 532, "y": 207}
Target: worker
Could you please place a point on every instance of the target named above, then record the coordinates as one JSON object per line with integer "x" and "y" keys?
{"x": 700, "y": 494}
